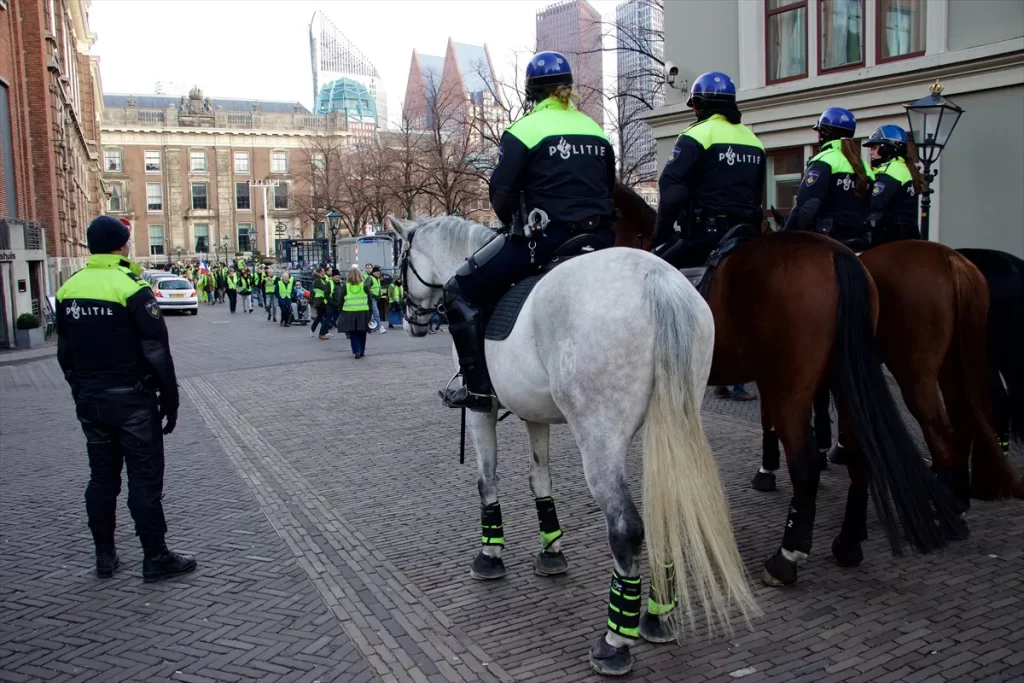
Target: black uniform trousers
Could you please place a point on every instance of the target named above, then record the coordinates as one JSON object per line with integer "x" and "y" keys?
{"x": 122, "y": 427}
{"x": 232, "y": 298}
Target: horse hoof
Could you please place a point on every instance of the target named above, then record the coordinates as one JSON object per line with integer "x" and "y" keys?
{"x": 656, "y": 630}
{"x": 846, "y": 554}
{"x": 609, "y": 660}
{"x": 764, "y": 481}
{"x": 550, "y": 564}
{"x": 778, "y": 571}
{"x": 837, "y": 455}
{"x": 956, "y": 532}
{"x": 487, "y": 568}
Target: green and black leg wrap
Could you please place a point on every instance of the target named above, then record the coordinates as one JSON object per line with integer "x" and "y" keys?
{"x": 1004, "y": 443}
{"x": 549, "y": 529}
{"x": 658, "y": 605}
{"x": 493, "y": 531}
{"x": 624, "y": 606}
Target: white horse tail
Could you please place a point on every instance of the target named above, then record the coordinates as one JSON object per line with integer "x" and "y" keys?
{"x": 686, "y": 518}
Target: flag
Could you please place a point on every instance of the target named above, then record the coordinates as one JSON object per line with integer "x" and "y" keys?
{"x": 203, "y": 268}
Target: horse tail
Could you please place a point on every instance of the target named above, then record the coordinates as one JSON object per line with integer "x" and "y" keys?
{"x": 897, "y": 476}
{"x": 686, "y": 518}
{"x": 992, "y": 476}
{"x": 1014, "y": 374}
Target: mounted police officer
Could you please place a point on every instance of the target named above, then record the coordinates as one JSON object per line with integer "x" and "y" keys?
{"x": 898, "y": 185}
{"x": 714, "y": 177}
{"x": 835, "y": 191}
{"x": 555, "y": 164}
{"x": 112, "y": 346}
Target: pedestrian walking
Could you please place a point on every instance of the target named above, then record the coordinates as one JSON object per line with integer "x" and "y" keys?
{"x": 285, "y": 295}
{"x": 113, "y": 349}
{"x": 373, "y": 280}
{"x": 334, "y": 297}
{"x": 270, "y": 294}
{"x": 355, "y": 310}
{"x": 320, "y": 291}
{"x": 245, "y": 290}
{"x": 232, "y": 289}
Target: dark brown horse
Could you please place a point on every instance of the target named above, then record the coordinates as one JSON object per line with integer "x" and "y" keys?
{"x": 794, "y": 312}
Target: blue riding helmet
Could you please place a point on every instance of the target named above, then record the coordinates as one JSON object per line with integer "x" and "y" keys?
{"x": 545, "y": 71}
{"x": 891, "y": 141}
{"x": 714, "y": 86}
{"x": 837, "y": 122}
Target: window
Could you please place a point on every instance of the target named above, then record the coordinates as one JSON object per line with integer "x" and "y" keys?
{"x": 785, "y": 170}
{"x": 154, "y": 197}
{"x": 200, "y": 195}
{"x": 319, "y": 230}
{"x": 900, "y": 29}
{"x": 841, "y": 25}
{"x": 202, "y": 235}
{"x": 244, "y": 238}
{"x": 156, "y": 240}
{"x": 112, "y": 160}
{"x": 279, "y": 162}
{"x": 197, "y": 162}
{"x": 241, "y": 162}
{"x": 7, "y": 142}
{"x": 242, "y": 197}
{"x": 319, "y": 161}
{"x": 116, "y": 201}
{"x": 153, "y": 162}
{"x": 281, "y": 196}
{"x": 786, "y": 32}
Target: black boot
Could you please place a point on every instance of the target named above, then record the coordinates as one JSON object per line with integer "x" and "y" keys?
{"x": 465, "y": 327}
{"x": 161, "y": 563}
{"x": 107, "y": 562}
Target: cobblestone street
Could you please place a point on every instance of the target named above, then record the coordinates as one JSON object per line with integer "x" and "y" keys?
{"x": 334, "y": 527}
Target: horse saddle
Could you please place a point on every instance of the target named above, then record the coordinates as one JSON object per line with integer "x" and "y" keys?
{"x": 736, "y": 237}
{"x": 505, "y": 313}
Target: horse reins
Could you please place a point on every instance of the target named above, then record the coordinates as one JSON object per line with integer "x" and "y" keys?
{"x": 414, "y": 308}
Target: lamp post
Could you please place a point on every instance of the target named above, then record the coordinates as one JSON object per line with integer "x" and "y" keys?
{"x": 333, "y": 223}
{"x": 216, "y": 251}
{"x": 931, "y": 121}
{"x": 225, "y": 243}
{"x": 179, "y": 254}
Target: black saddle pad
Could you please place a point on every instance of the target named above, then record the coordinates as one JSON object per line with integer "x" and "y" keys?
{"x": 503, "y": 317}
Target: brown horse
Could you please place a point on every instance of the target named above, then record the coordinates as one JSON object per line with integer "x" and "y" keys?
{"x": 794, "y": 312}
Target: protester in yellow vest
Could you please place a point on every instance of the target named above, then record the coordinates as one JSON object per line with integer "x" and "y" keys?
{"x": 396, "y": 293}
{"x": 355, "y": 310}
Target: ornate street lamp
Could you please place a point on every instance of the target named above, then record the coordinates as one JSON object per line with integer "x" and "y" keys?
{"x": 931, "y": 121}
{"x": 333, "y": 224}
{"x": 179, "y": 254}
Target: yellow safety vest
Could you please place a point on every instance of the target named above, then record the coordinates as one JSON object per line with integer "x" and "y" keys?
{"x": 284, "y": 288}
{"x": 355, "y": 298}
{"x": 374, "y": 286}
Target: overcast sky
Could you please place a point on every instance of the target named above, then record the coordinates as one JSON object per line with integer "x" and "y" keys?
{"x": 260, "y": 48}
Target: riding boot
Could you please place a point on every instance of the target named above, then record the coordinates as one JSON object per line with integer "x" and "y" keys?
{"x": 465, "y": 326}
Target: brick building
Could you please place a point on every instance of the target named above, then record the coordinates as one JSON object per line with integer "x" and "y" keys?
{"x": 181, "y": 170}
{"x": 49, "y": 166}
{"x": 574, "y": 29}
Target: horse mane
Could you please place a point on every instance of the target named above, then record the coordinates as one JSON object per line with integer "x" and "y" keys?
{"x": 454, "y": 234}
{"x": 626, "y": 198}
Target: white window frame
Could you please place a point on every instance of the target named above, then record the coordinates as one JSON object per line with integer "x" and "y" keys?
{"x": 110, "y": 207}
{"x": 238, "y": 236}
{"x": 120, "y": 160}
{"x": 159, "y": 161}
{"x": 192, "y": 156}
{"x": 150, "y": 209}
{"x": 249, "y": 187}
{"x": 274, "y": 168}
{"x": 241, "y": 155}
{"x": 163, "y": 239}
{"x": 209, "y": 240}
{"x": 771, "y": 180}
{"x": 192, "y": 196}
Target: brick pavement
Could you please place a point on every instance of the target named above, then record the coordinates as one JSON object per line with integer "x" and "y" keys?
{"x": 367, "y": 526}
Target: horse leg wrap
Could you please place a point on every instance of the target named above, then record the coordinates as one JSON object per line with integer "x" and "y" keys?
{"x": 957, "y": 481}
{"x": 658, "y": 604}
{"x": 1004, "y": 443}
{"x": 770, "y": 444}
{"x": 549, "y": 529}
{"x": 493, "y": 531}
{"x": 624, "y": 606}
{"x": 855, "y": 520}
{"x": 799, "y": 527}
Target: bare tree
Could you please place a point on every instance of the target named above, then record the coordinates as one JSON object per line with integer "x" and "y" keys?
{"x": 330, "y": 180}
{"x": 403, "y": 149}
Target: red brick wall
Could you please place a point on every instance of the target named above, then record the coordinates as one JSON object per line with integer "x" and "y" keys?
{"x": 13, "y": 74}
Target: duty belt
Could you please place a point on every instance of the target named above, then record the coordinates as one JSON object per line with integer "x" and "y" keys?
{"x": 592, "y": 224}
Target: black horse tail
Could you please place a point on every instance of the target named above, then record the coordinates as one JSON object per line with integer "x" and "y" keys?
{"x": 1014, "y": 373}
{"x": 901, "y": 485}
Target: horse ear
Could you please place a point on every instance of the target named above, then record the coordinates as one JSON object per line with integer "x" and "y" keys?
{"x": 397, "y": 225}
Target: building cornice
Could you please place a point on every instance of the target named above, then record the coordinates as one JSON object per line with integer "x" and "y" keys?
{"x": 1000, "y": 64}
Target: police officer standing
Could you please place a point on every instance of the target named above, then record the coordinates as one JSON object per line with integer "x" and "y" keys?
{"x": 898, "y": 184}
{"x": 112, "y": 346}
{"x": 714, "y": 177}
{"x": 835, "y": 192}
{"x": 555, "y": 159}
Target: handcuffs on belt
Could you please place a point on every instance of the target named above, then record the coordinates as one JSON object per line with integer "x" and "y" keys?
{"x": 536, "y": 219}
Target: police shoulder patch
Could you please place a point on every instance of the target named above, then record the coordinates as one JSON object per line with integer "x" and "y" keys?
{"x": 810, "y": 178}
{"x": 675, "y": 153}
{"x": 878, "y": 189}
{"x": 153, "y": 308}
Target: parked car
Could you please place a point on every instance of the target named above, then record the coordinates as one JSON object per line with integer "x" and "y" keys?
{"x": 152, "y": 276}
{"x": 176, "y": 294}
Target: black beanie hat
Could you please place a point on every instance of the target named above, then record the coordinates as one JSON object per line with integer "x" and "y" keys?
{"x": 106, "y": 234}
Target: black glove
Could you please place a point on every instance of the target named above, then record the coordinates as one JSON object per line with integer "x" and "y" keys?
{"x": 169, "y": 411}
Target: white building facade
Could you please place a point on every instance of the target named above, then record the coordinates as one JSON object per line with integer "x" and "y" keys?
{"x": 793, "y": 59}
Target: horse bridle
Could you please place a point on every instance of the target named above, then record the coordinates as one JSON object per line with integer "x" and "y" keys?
{"x": 410, "y": 307}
